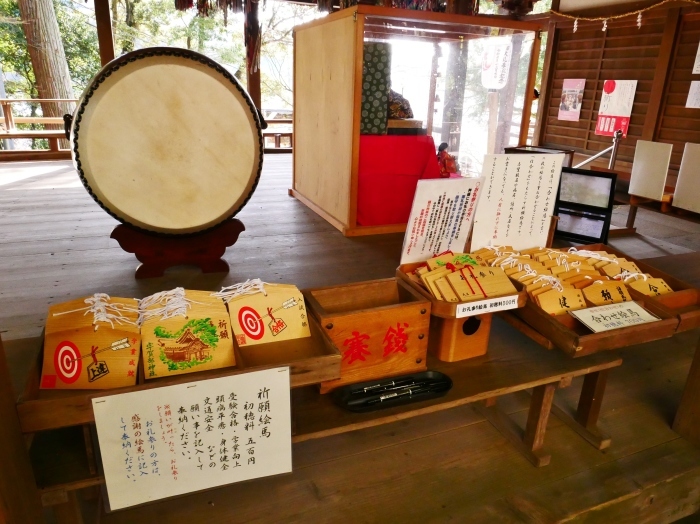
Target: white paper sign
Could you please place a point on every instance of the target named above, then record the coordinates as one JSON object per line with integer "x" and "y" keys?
{"x": 491, "y": 305}
{"x": 613, "y": 316}
{"x": 495, "y": 64}
{"x": 693, "y": 95}
{"x": 696, "y": 65}
{"x": 615, "y": 107}
{"x": 517, "y": 201}
{"x": 441, "y": 217}
{"x": 172, "y": 440}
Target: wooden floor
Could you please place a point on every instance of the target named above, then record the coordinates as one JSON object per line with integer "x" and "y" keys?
{"x": 450, "y": 466}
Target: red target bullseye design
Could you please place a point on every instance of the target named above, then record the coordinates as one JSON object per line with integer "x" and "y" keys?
{"x": 67, "y": 362}
{"x": 251, "y": 323}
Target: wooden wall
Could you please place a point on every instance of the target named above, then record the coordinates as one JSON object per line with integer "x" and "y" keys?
{"x": 659, "y": 55}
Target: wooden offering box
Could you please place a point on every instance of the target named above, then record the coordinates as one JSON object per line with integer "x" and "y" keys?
{"x": 457, "y": 330}
{"x": 678, "y": 311}
{"x": 380, "y": 327}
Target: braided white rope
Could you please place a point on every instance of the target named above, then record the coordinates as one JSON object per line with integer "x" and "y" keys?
{"x": 103, "y": 310}
{"x": 249, "y": 287}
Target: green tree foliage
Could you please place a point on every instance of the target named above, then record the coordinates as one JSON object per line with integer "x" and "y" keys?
{"x": 13, "y": 53}
{"x": 202, "y": 328}
{"x": 79, "y": 37}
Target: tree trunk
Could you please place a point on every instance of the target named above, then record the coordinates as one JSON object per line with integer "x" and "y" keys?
{"x": 455, "y": 83}
{"x": 47, "y": 55}
{"x": 48, "y": 58}
{"x": 505, "y": 112}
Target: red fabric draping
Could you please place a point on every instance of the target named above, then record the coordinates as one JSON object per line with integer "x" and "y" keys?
{"x": 390, "y": 167}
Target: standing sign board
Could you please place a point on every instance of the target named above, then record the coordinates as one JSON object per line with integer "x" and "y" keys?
{"x": 518, "y": 199}
{"x": 615, "y": 107}
{"x": 441, "y": 217}
{"x": 172, "y": 440}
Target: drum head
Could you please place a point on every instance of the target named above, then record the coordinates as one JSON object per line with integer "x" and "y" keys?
{"x": 166, "y": 140}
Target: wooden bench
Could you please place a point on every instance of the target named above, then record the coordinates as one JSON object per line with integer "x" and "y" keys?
{"x": 278, "y": 138}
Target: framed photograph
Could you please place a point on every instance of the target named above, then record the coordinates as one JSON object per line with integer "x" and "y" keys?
{"x": 584, "y": 205}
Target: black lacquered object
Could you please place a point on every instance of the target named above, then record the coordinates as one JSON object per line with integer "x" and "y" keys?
{"x": 396, "y": 391}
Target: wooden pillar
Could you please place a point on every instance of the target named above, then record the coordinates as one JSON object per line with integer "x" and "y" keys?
{"x": 664, "y": 63}
{"x": 687, "y": 422}
{"x": 19, "y": 497}
{"x": 530, "y": 89}
{"x": 252, "y": 69}
{"x": 104, "y": 31}
{"x": 546, "y": 83}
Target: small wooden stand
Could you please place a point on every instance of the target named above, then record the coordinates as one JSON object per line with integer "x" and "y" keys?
{"x": 158, "y": 252}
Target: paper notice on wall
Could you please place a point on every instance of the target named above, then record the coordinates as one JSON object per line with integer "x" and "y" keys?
{"x": 441, "y": 217}
{"x": 571, "y": 99}
{"x": 495, "y": 63}
{"x": 172, "y": 440}
{"x": 694, "y": 95}
{"x": 696, "y": 65}
{"x": 615, "y": 107}
{"x": 517, "y": 200}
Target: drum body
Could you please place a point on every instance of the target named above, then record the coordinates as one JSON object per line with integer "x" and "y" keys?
{"x": 167, "y": 141}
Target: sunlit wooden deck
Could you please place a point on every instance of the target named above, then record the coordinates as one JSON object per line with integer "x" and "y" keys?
{"x": 450, "y": 466}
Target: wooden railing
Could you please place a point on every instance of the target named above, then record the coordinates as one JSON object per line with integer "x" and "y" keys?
{"x": 278, "y": 137}
{"x": 9, "y": 132}
{"x": 282, "y": 135}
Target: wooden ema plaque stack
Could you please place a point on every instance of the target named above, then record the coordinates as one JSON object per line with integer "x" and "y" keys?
{"x": 380, "y": 327}
{"x": 453, "y": 338}
{"x": 83, "y": 353}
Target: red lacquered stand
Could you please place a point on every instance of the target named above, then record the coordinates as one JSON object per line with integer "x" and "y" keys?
{"x": 158, "y": 252}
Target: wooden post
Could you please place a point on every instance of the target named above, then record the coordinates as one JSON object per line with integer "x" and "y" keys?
{"x": 546, "y": 83}
{"x": 253, "y": 75}
{"x": 540, "y": 406}
{"x": 591, "y": 398}
{"x": 664, "y": 64}
{"x": 530, "y": 89}
{"x": 687, "y": 422}
{"x": 19, "y": 497}
{"x": 433, "y": 87}
{"x": 104, "y": 31}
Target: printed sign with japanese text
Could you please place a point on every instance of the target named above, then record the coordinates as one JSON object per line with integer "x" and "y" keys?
{"x": 441, "y": 217}
{"x": 517, "y": 203}
{"x": 172, "y": 440}
{"x": 613, "y": 316}
{"x": 615, "y": 107}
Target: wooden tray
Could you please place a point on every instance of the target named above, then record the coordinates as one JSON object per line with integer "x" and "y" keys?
{"x": 575, "y": 339}
{"x": 311, "y": 361}
{"x": 442, "y": 308}
{"x": 683, "y": 302}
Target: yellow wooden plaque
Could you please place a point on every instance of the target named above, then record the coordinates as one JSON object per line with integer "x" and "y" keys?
{"x": 198, "y": 341}
{"x": 83, "y": 352}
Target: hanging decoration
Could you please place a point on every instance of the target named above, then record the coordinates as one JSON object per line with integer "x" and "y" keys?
{"x": 605, "y": 19}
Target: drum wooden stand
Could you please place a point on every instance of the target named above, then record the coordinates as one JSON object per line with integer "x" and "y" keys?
{"x": 157, "y": 253}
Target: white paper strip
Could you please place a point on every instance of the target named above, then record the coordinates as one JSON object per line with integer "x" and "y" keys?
{"x": 490, "y": 305}
{"x": 172, "y": 440}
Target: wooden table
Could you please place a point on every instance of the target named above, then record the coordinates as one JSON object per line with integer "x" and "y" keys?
{"x": 66, "y": 459}
{"x": 687, "y": 420}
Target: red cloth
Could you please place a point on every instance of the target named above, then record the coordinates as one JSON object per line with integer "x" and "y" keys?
{"x": 390, "y": 167}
